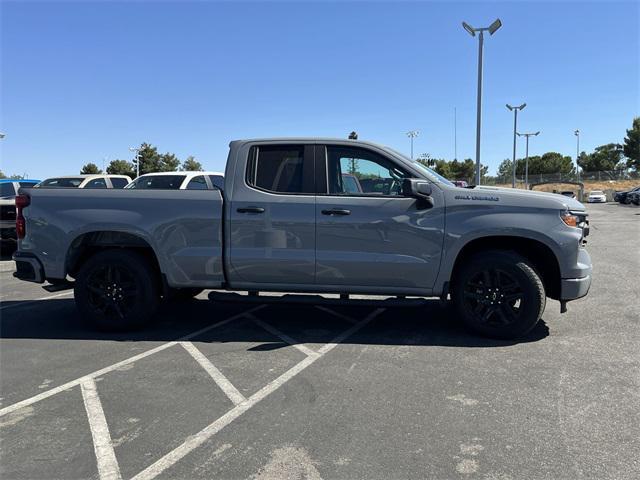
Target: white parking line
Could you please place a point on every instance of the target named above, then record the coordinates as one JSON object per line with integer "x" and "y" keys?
{"x": 283, "y": 336}
{"x": 36, "y": 300}
{"x": 199, "y": 438}
{"x": 97, "y": 373}
{"x": 108, "y": 468}
{"x": 223, "y": 382}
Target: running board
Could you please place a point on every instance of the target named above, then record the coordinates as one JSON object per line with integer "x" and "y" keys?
{"x": 254, "y": 297}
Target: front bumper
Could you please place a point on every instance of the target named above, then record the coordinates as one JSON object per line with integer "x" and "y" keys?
{"x": 28, "y": 267}
{"x": 578, "y": 285}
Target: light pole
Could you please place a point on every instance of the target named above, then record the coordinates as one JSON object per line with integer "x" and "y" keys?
{"x": 412, "y": 134}
{"x": 515, "y": 127}
{"x": 526, "y": 162}
{"x": 2, "y": 135}
{"x": 137, "y": 150}
{"x": 577, "y": 134}
{"x": 472, "y": 31}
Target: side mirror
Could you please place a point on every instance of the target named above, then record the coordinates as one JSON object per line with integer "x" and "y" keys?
{"x": 419, "y": 189}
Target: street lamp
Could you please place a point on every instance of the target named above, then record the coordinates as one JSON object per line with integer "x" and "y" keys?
{"x": 412, "y": 134}
{"x": 472, "y": 31}
{"x": 526, "y": 162}
{"x": 515, "y": 127}
{"x": 577, "y": 134}
{"x": 137, "y": 150}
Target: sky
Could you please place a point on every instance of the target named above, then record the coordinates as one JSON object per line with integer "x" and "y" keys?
{"x": 84, "y": 81}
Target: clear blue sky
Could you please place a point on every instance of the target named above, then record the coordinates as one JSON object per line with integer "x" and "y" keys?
{"x": 86, "y": 80}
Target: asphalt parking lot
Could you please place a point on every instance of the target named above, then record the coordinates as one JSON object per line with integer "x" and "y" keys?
{"x": 238, "y": 391}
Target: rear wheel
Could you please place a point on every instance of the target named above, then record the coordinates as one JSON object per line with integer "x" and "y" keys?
{"x": 499, "y": 295}
{"x": 116, "y": 290}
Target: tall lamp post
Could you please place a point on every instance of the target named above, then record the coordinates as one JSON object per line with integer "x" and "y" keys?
{"x": 526, "y": 162}
{"x": 577, "y": 134}
{"x": 137, "y": 150}
{"x": 515, "y": 128}
{"x": 472, "y": 31}
{"x": 412, "y": 134}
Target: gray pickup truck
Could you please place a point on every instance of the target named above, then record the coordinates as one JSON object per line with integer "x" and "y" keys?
{"x": 286, "y": 221}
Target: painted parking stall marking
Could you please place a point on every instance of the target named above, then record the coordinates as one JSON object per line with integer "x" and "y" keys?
{"x": 107, "y": 462}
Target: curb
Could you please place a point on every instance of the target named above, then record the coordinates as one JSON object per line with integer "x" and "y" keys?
{"x": 7, "y": 266}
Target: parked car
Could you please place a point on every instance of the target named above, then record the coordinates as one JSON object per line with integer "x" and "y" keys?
{"x": 460, "y": 183}
{"x": 285, "y": 225}
{"x": 86, "y": 181}
{"x": 179, "y": 181}
{"x": 634, "y": 197}
{"x": 597, "y": 196}
{"x": 568, "y": 193}
{"x": 622, "y": 197}
{"x": 8, "y": 191}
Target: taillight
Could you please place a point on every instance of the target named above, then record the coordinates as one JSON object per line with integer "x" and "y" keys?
{"x": 22, "y": 201}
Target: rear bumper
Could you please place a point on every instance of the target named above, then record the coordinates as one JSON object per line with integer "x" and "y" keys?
{"x": 28, "y": 267}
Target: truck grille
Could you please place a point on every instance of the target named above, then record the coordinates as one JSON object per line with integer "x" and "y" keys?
{"x": 8, "y": 212}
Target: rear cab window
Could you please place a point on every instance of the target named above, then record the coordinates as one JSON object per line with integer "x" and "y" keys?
{"x": 283, "y": 169}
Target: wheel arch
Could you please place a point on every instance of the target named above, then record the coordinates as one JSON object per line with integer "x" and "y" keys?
{"x": 89, "y": 243}
{"x": 542, "y": 258}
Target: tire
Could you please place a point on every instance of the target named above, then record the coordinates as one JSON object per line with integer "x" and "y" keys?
{"x": 182, "y": 294}
{"x": 116, "y": 290}
{"x": 626, "y": 200}
{"x": 498, "y": 294}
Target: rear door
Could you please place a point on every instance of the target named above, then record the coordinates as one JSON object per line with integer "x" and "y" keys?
{"x": 272, "y": 216}
{"x": 368, "y": 233}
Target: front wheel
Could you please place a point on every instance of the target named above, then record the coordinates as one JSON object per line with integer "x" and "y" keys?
{"x": 116, "y": 290}
{"x": 499, "y": 295}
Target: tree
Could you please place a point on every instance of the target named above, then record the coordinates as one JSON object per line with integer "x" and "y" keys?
{"x": 191, "y": 165}
{"x": 90, "y": 168}
{"x": 453, "y": 170}
{"x": 149, "y": 159}
{"x": 604, "y": 158}
{"x": 2, "y": 175}
{"x": 631, "y": 147}
{"x": 121, "y": 167}
{"x": 168, "y": 163}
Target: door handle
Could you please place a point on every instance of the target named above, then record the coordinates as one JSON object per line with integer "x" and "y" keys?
{"x": 336, "y": 211}
{"x": 250, "y": 210}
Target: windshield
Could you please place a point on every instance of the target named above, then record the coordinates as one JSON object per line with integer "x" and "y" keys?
{"x": 158, "y": 182}
{"x": 62, "y": 182}
{"x": 430, "y": 174}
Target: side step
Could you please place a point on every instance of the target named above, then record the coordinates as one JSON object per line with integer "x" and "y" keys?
{"x": 254, "y": 297}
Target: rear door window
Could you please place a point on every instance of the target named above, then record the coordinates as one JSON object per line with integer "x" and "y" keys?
{"x": 159, "y": 182}
{"x": 96, "y": 183}
{"x": 217, "y": 181}
{"x": 197, "y": 183}
{"x": 118, "y": 182}
{"x": 7, "y": 190}
{"x": 280, "y": 169}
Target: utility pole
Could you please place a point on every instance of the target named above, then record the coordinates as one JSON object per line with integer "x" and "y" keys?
{"x": 515, "y": 127}
{"x": 137, "y": 150}
{"x": 412, "y": 134}
{"x": 472, "y": 31}
{"x": 577, "y": 134}
{"x": 526, "y": 162}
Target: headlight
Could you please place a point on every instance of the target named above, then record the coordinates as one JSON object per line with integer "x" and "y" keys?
{"x": 570, "y": 219}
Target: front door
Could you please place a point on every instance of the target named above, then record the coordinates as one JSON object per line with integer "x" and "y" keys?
{"x": 367, "y": 233}
{"x": 272, "y": 217}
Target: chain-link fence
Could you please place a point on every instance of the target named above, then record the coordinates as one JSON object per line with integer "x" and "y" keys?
{"x": 583, "y": 177}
